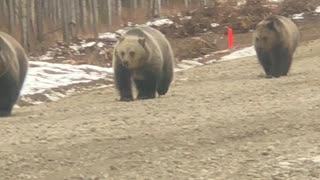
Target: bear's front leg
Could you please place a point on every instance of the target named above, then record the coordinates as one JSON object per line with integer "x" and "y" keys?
{"x": 123, "y": 82}
{"x": 6, "y": 104}
{"x": 277, "y": 61}
{"x": 5, "y": 113}
{"x": 146, "y": 88}
{"x": 9, "y": 92}
{"x": 265, "y": 61}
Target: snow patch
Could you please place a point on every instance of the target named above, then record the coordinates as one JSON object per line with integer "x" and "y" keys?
{"x": 317, "y": 9}
{"x": 45, "y": 58}
{"x": 121, "y": 31}
{"x": 107, "y": 35}
{"x": 89, "y": 44}
{"x": 245, "y": 52}
{"x": 43, "y": 76}
{"x": 159, "y": 22}
{"x": 214, "y": 24}
{"x": 185, "y": 18}
{"x": 298, "y": 16}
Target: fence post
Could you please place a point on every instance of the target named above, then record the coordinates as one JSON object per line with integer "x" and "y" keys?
{"x": 230, "y": 38}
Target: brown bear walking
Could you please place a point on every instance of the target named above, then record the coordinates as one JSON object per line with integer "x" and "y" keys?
{"x": 145, "y": 56}
{"x": 275, "y": 41}
{"x": 13, "y": 70}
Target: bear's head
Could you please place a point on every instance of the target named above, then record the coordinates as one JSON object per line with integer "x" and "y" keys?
{"x": 266, "y": 35}
{"x": 132, "y": 51}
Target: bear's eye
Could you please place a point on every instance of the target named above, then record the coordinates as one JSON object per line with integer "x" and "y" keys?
{"x": 131, "y": 53}
{"x": 122, "y": 53}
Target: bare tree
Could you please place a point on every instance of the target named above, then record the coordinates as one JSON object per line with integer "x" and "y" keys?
{"x": 156, "y": 8}
{"x": 11, "y": 15}
{"x": 83, "y": 14}
{"x": 39, "y": 19}
{"x": 24, "y": 23}
{"x": 35, "y": 19}
{"x": 119, "y": 8}
{"x": 65, "y": 21}
{"x": 109, "y": 5}
{"x": 187, "y": 3}
{"x": 94, "y": 11}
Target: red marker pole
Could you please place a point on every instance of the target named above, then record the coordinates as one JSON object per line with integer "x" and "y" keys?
{"x": 230, "y": 38}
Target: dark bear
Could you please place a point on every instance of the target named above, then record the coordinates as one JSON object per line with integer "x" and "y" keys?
{"x": 143, "y": 55}
{"x": 275, "y": 41}
{"x": 13, "y": 70}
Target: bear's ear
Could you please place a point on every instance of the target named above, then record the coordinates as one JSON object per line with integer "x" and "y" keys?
{"x": 274, "y": 25}
{"x": 270, "y": 25}
{"x": 142, "y": 41}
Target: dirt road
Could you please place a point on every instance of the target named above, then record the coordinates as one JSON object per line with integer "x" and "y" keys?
{"x": 222, "y": 121}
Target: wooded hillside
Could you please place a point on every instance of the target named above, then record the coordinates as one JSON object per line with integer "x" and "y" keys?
{"x": 34, "y": 21}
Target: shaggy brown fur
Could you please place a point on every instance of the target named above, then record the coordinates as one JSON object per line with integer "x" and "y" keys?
{"x": 13, "y": 70}
{"x": 275, "y": 40}
{"x": 145, "y": 56}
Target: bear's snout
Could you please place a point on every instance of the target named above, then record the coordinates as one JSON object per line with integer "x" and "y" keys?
{"x": 125, "y": 63}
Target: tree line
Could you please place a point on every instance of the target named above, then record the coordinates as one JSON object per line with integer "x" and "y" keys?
{"x": 32, "y": 21}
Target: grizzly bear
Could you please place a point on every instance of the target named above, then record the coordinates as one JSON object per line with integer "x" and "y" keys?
{"x": 275, "y": 41}
{"x": 13, "y": 70}
{"x": 143, "y": 55}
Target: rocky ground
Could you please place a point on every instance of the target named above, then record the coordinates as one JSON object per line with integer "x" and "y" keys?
{"x": 220, "y": 121}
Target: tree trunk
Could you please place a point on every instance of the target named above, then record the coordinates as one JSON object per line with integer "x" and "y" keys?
{"x": 39, "y": 19}
{"x": 156, "y": 9}
{"x": 65, "y": 27}
{"x": 109, "y": 13}
{"x": 83, "y": 15}
{"x": 72, "y": 19}
{"x": 30, "y": 4}
{"x": 11, "y": 16}
{"x": 119, "y": 8}
{"x": 24, "y": 23}
{"x": 95, "y": 18}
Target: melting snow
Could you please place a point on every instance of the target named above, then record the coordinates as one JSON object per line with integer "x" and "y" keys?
{"x": 186, "y": 17}
{"x": 45, "y": 58}
{"x": 43, "y": 76}
{"x": 159, "y": 22}
{"x": 245, "y": 52}
{"x": 107, "y": 35}
{"x": 89, "y": 44}
{"x": 121, "y": 31}
{"x": 214, "y": 24}
{"x": 317, "y": 9}
{"x": 298, "y": 16}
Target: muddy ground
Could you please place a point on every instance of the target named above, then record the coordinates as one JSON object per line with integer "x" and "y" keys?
{"x": 221, "y": 121}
